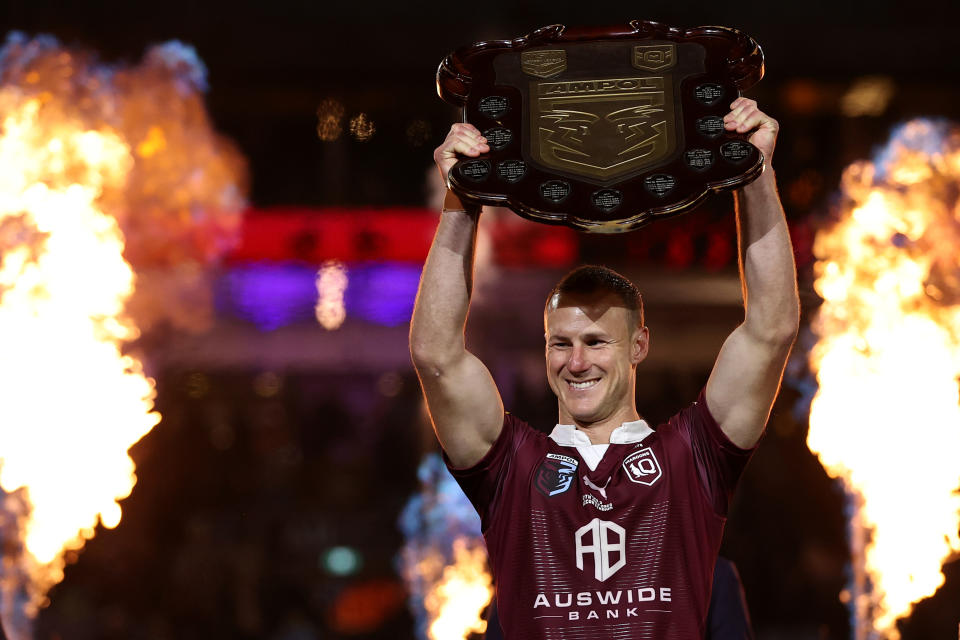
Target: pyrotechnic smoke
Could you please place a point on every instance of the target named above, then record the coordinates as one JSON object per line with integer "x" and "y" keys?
{"x": 443, "y": 561}
{"x": 181, "y": 202}
{"x": 104, "y": 167}
{"x": 886, "y": 418}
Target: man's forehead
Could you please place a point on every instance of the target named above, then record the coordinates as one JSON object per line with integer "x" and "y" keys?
{"x": 593, "y": 305}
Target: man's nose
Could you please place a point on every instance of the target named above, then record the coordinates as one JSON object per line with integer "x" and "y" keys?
{"x": 578, "y": 360}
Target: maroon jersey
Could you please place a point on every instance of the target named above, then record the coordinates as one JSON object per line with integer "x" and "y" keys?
{"x": 625, "y": 551}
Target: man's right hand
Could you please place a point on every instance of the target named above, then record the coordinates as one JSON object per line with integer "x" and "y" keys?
{"x": 463, "y": 139}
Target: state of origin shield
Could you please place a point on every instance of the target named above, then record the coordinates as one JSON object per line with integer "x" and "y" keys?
{"x": 603, "y": 130}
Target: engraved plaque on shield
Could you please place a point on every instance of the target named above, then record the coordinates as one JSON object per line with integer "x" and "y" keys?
{"x": 603, "y": 129}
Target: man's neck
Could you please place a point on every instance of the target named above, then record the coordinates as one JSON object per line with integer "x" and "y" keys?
{"x": 599, "y": 431}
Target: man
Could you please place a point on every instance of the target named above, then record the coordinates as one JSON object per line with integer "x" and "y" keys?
{"x": 606, "y": 528}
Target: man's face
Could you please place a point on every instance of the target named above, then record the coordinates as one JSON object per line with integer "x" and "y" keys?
{"x": 592, "y": 350}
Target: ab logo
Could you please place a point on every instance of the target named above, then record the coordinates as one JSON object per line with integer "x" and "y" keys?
{"x": 642, "y": 467}
{"x": 604, "y": 541}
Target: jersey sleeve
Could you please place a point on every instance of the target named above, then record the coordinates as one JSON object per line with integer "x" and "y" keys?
{"x": 483, "y": 482}
{"x": 719, "y": 462}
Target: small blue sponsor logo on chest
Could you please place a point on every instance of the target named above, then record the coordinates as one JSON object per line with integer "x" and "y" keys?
{"x": 555, "y": 474}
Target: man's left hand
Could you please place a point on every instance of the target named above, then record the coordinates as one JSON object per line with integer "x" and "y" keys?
{"x": 744, "y": 116}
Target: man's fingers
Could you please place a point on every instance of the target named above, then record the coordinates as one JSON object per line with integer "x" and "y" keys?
{"x": 746, "y": 118}
{"x": 471, "y": 138}
{"x": 464, "y": 139}
{"x": 742, "y": 115}
{"x": 465, "y": 131}
{"x": 748, "y": 121}
{"x": 460, "y": 127}
{"x": 739, "y": 114}
{"x": 466, "y": 146}
{"x": 756, "y": 120}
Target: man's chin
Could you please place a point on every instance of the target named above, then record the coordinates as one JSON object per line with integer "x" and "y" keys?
{"x": 582, "y": 415}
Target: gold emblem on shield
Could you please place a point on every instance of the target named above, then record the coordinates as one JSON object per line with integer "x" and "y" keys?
{"x": 543, "y": 63}
{"x": 654, "y": 57}
{"x": 603, "y": 128}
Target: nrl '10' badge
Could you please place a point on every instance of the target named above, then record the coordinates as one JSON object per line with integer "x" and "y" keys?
{"x": 642, "y": 467}
{"x": 603, "y": 129}
{"x": 555, "y": 474}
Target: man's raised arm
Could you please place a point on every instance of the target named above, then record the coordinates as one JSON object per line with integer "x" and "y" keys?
{"x": 463, "y": 400}
{"x": 746, "y": 377}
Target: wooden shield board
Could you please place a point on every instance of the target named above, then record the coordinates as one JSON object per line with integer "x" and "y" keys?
{"x": 605, "y": 129}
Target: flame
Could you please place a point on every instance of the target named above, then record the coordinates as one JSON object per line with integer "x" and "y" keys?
{"x": 72, "y": 403}
{"x": 457, "y": 601}
{"x": 886, "y": 418}
{"x": 444, "y": 559}
{"x": 104, "y": 168}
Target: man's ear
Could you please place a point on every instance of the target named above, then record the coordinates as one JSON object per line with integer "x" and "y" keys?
{"x": 640, "y": 345}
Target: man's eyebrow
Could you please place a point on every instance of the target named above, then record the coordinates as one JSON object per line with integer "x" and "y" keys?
{"x": 586, "y": 335}
{"x": 595, "y": 334}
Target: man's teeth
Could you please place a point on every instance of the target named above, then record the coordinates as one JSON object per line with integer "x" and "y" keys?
{"x": 586, "y": 384}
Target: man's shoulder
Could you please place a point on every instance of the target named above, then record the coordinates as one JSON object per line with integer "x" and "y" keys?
{"x": 523, "y": 433}
{"x": 690, "y": 415}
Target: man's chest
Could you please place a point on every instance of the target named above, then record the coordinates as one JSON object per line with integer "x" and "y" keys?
{"x": 626, "y": 478}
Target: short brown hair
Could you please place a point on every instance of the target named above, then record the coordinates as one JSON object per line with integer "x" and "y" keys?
{"x": 592, "y": 279}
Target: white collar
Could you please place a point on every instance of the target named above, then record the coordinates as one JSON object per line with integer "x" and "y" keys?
{"x": 567, "y": 435}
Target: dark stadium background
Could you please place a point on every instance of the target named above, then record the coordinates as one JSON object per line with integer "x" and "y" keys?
{"x": 263, "y": 461}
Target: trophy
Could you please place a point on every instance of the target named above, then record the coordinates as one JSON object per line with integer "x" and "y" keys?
{"x": 601, "y": 129}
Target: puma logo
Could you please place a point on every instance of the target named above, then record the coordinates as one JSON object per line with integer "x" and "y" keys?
{"x": 601, "y": 490}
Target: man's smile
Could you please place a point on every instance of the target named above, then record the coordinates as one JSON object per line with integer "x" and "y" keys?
{"x": 580, "y": 385}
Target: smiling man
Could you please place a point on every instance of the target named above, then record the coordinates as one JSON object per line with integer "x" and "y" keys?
{"x": 606, "y": 528}
{"x": 595, "y": 335}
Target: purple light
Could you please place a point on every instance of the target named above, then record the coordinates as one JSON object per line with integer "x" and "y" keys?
{"x": 269, "y": 296}
{"x": 382, "y": 293}
{"x": 272, "y": 296}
